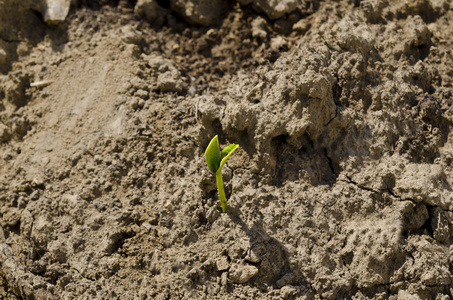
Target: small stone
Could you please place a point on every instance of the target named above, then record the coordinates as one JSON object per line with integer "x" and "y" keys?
{"x": 125, "y": 87}
{"x": 142, "y": 94}
{"x": 20, "y": 126}
{"x": 54, "y": 11}
{"x": 11, "y": 217}
{"x": 200, "y": 12}
{"x": 192, "y": 90}
{"x": 259, "y": 28}
{"x": 134, "y": 103}
{"x": 22, "y": 202}
{"x": 212, "y": 214}
{"x": 160, "y": 64}
{"x": 288, "y": 291}
{"x": 278, "y": 43}
{"x": 45, "y": 160}
{"x": 240, "y": 273}
{"x": 100, "y": 206}
{"x": 22, "y": 49}
{"x": 38, "y": 182}
{"x": 58, "y": 251}
{"x": 130, "y": 35}
{"x": 147, "y": 226}
{"x": 34, "y": 195}
{"x": 273, "y": 9}
{"x": 285, "y": 280}
{"x": 98, "y": 158}
{"x": 170, "y": 81}
{"x": 252, "y": 257}
{"x": 224, "y": 279}
{"x": 222, "y": 263}
{"x": 85, "y": 194}
{"x": 302, "y": 26}
{"x": 405, "y": 295}
{"x": 151, "y": 11}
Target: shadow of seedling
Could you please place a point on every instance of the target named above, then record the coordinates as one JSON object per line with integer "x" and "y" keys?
{"x": 265, "y": 253}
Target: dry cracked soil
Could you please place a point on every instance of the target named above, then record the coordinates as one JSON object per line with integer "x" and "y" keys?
{"x": 341, "y": 187}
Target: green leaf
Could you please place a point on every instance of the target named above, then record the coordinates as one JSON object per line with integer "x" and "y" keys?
{"x": 229, "y": 151}
{"x": 212, "y": 155}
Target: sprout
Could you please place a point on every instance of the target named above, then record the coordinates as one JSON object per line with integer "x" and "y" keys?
{"x": 216, "y": 159}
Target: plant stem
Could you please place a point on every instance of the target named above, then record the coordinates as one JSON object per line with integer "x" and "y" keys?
{"x": 223, "y": 200}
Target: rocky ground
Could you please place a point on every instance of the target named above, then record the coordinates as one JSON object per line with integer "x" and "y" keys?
{"x": 341, "y": 186}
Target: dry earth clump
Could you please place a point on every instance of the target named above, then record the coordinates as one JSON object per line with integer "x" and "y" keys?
{"x": 341, "y": 187}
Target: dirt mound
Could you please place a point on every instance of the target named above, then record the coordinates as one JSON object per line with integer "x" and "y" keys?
{"x": 341, "y": 186}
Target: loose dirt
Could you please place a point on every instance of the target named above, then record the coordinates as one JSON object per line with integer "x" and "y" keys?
{"x": 341, "y": 187}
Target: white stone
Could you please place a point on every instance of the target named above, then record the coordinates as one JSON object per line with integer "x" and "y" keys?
{"x": 55, "y": 11}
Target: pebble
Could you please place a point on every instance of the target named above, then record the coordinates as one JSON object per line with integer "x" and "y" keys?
{"x": 222, "y": 263}
{"x": 288, "y": 291}
{"x": 54, "y": 11}
{"x": 134, "y": 103}
{"x": 130, "y": 35}
{"x": 240, "y": 273}
{"x": 142, "y": 94}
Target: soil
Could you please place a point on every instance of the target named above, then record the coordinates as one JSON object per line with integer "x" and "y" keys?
{"x": 341, "y": 186}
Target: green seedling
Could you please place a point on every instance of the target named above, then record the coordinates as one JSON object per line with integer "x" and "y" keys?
{"x": 216, "y": 159}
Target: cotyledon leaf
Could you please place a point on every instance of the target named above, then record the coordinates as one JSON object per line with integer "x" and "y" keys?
{"x": 212, "y": 155}
{"x": 227, "y": 150}
{"x": 224, "y": 159}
